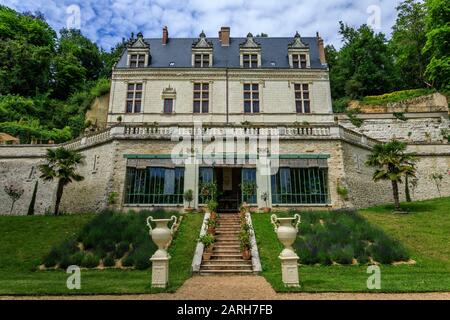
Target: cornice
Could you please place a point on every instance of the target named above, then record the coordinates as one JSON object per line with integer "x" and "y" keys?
{"x": 313, "y": 74}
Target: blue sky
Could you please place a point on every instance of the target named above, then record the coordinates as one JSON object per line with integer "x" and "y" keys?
{"x": 107, "y": 21}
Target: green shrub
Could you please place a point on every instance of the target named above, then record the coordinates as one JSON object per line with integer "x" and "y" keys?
{"x": 77, "y": 258}
{"x": 109, "y": 261}
{"x": 396, "y": 96}
{"x": 342, "y": 237}
{"x": 121, "y": 248}
{"x": 128, "y": 261}
{"x": 90, "y": 261}
{"x": 52, "y": 258}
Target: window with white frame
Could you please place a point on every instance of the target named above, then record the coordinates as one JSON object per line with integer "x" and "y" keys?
{"x": 299, "y": 61}
{"x": 251, "y": 98}
{"x": 137, "y": 60}
{"x": 201, "y": 60}
{"x": 302, "y": 98}
{"x": 201, "y": 97}
{"x": 134, "y": 98}
{"x": 250, "y": 61}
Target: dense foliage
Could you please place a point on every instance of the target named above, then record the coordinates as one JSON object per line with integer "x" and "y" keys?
{"x": 47, "y": 82}
{"x": 416, "y": 56}
{"x": 112, "y": 239}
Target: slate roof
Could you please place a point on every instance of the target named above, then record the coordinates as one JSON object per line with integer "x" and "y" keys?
{"x": 179, "y": 50}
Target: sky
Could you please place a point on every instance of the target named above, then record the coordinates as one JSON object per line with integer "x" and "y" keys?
{"x": 106, "y": 22}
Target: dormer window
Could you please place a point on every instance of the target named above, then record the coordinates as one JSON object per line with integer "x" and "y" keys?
{"x": 250, "y": 52}
{"x": 137, "y": 60}
{"x": 299, "y": 61}
{"x": 298, "y": 53}
{"x": 250, "y": 60}
{"x": 138, "y": 52}
{"x": 201, "y": 60}
{"x": 202, "y": 52}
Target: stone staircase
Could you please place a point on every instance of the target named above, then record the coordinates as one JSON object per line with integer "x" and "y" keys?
{"x": 227, "y": 258}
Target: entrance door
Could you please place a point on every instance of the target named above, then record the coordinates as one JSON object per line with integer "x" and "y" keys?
{"x": 229, "y": 192}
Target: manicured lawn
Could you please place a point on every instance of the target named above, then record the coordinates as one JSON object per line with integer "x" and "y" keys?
{"x": 424, "y": 232}
{"x": 26, "y": 240}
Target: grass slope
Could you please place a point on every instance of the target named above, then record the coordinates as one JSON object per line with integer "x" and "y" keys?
{"x": 424, "y": 232}
{"x": 26, "y": 240}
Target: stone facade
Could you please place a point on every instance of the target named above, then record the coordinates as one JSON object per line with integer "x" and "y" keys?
{"x": 418, "y": 128}
{"x": 276, "y": 90}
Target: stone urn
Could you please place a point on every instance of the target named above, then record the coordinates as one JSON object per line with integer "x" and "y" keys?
{"x": 161, "y": 234}
{"x": 286, "y": 229}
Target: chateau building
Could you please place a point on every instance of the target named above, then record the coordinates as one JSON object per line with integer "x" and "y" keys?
{"x": 224, "y": 82}
{"x": 245, "y": 113}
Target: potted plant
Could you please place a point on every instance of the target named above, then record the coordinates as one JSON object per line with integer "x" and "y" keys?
{"x": 211, "y": 224}
{"x": 188, "y": 197}
{"x": 248, "y": 189}
{"x": 212, "y": 207}
{"x": 208, "y": 242}
{"x": 265, "y": 198}
{"x": 244, "y": 238}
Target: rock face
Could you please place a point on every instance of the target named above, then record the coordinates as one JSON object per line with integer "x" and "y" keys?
{"x": 435, "y": 102}
{"x": 424, "y": 120}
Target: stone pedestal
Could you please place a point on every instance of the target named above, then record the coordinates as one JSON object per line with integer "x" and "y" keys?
{"x": 289, "y": 271}
{"x": 160, "y": 271}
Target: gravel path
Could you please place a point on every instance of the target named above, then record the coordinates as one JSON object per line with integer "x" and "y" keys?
{"x": 243, "y": 288}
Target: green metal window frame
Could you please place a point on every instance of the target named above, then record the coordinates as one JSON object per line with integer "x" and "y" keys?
{"x": 248, "y": 175}
{"x": 306, "y": 186}
{"x": 148, "y": 186}
{"x": 205, "y": 175}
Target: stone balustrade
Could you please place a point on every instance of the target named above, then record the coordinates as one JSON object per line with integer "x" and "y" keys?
{"x": 167, "y": 131}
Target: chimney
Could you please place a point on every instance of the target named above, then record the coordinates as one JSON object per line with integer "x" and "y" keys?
{"x": 224, "y": 36}
{"x": 321, "y": 49}
{"x": 165, "y": 36}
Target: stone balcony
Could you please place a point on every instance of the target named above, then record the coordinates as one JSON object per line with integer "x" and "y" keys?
{"x": 168, "y": 132}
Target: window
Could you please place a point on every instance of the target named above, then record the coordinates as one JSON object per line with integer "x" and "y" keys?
{"x": 300, "y": 186}
{"x": 250, "y": 60}
{"x": 154, "y": 185}
{"x": 206, "y": 175}
{"x": 299, "y": 61}
{"x": 168, "y": 105}
{"x": 201, "y": 97}
{"x": 249, "y": 176}
{"x": 137, "y": 60}
{"x": 201, "y": 60}
{"x": 251, "y": 98}
{"x": 134, "y": 98}
{"x": 302, "y": 100}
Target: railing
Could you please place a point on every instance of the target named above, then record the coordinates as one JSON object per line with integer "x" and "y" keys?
{"x": 167, "y": 131}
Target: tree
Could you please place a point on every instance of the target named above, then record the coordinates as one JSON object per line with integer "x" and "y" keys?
{"x": 14, "y": 193}
{"x": 26, "y": 49}
{"x": 392, "y": 164}
{"x": 364, "y": 65}
{"x": 61, "y": 164}
{"x": 408, "y": 40}
{"x": 437, "y": 45}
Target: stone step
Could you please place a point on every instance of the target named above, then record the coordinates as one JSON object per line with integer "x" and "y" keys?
{"x": 230, "y": 261}
{"x": 227, "y": 250}
{"x": 226, "y": 246}
{"x": 226, "y": 266}
{"x": 225, "y": 272}
{"x": 224, "y": 239}
{"x": 225, "y": 256}
{"x": 227, "y": 232}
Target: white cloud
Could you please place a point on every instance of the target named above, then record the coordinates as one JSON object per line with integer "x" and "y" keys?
{"x": 108, "y": 21}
